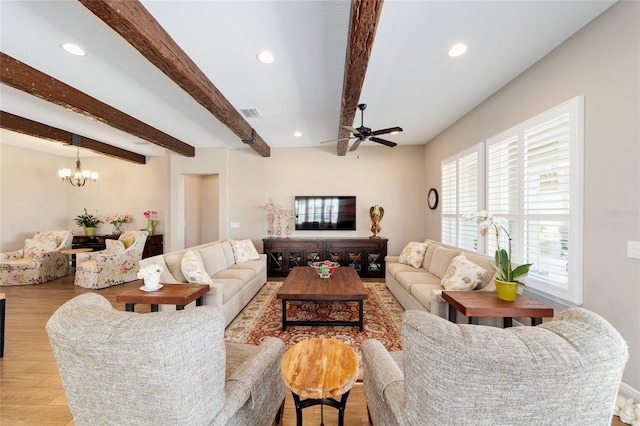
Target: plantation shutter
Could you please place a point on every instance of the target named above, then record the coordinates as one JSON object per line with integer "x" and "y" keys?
{"x": 461, "y": 184}
{"x": 449, "y": 200}
{"x": 547, "y": 198}
{"x": 503, "y": 188}
{"x": 468, "y": 200}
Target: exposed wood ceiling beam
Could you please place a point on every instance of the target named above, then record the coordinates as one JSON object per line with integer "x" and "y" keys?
{"x": 133, "y": 21}
{"x": 33, "y": 128}
{"x": 28, "y": 79}
{"x": 364, "y": 21}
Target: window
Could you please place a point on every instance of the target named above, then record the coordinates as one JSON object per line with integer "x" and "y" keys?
{"x": 534, "y": 179}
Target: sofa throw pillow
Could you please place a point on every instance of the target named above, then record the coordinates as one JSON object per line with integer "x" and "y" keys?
{"x": 462, "y": 274}
{"x": 193, "y": 269}
{"x": 35, "y": 246}
{"x": 244, "y": 251}
{"x": 56, "y": 235}
{"x": 441, "y": 259}
{"x": 126, "y": 241}
{"x": 412, "y": 254}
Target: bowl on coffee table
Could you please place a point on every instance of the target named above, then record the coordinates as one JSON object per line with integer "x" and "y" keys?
{"x": 324, "y": 268}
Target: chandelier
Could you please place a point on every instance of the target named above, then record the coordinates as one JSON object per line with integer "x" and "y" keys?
{"x": 79, "y": 177}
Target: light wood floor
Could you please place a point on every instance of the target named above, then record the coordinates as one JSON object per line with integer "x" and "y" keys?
{"x": 30, "y": 389}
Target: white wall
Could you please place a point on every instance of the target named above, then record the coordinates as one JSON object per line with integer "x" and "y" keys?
{"x": 33, "y": 198}
{"x": 390, "y": 177}
{"x": 39, "y": 200}
{"x": 601, "y": 62}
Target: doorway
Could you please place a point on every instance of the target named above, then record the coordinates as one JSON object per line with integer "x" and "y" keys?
{"x": 201, "y": 209}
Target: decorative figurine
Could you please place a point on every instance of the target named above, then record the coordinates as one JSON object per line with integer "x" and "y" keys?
{"x": 376, "y": 212}
{"x": 270, "y": 208}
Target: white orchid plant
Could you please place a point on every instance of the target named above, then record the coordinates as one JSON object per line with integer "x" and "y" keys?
{"x": 502, "y": 261}
{"x": 149, "y": 271}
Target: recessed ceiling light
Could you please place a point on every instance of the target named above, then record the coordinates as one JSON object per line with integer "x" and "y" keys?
{"x": 297, "y": 134}
{"x": 457, "y": 50}
{"x": 265, "y": 57}
{"x": 74, "y": 49}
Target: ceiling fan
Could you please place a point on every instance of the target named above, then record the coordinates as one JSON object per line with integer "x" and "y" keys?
{"x": 362, "y": 133}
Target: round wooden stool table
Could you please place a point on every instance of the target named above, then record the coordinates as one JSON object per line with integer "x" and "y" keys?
{"x": 320, "y": 370}
{"x": 72, "y": 254}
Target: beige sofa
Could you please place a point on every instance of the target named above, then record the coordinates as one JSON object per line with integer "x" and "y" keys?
{"x": 420, "y": 288}
{"x": 234, "y": 284}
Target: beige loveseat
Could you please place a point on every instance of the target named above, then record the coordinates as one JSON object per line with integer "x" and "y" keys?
{"x": 233, "y": 284}
{"x": 420, "y": 288}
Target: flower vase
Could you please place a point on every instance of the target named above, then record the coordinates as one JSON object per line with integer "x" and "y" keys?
{"x": 152, "y": 282}
{"x": 90, "y": 231}
{"x": 506, "y": 291}
{"x": 116, "y": 229}
{"x": 150, "y": 226}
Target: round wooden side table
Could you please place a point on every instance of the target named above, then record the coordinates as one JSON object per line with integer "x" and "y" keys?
{"x": 72, "y": 254}
{"x": 319, "y": 370}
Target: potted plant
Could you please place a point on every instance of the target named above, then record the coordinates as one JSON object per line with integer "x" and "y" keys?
{"x": 151, "y": 277}
{"x": 506, "y": 276}
{"x": 88, "y": 221}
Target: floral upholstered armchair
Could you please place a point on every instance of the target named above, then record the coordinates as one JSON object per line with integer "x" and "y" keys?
{"x": 117, "y": 264}
{"x": 39, "y": 261}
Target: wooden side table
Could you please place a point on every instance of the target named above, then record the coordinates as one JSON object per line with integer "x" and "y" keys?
{"x": 169, "y": 294}
{"x": 320, "y": 370}
{"x": 474, "y": 304}
{"x": 72, "y": 254}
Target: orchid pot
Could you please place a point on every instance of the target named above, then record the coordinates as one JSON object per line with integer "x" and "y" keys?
{"x": 505, "y": 290}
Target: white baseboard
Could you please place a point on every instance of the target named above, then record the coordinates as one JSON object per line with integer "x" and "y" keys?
{"x": 629, "y": 392}
{"x": 627, "y": 407}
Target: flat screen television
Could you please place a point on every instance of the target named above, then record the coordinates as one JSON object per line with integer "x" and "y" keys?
{"x": 325, "y": 213}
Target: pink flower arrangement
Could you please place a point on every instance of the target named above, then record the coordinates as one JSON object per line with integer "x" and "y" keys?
{"x": 118, "y": 219}
{"x": 150, "y": 214}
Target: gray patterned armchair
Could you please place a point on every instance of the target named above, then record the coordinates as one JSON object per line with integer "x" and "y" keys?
{"x": 165, "y": 368}
{"x": 566, "y": 371}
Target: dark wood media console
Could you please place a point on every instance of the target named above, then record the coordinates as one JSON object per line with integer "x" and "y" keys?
{"x": 365, "y": 255}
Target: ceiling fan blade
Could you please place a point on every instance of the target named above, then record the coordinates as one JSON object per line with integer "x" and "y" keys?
{"x": 336, "y": 140}
{"x": 383, "y": 141}
{"x": 389, "y": 130}
{"x": 355, "y": 145}
{"x": 351, "y": 129}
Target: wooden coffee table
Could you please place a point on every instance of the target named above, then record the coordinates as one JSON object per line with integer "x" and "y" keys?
{"x": 474, "y": 304}
{"x": 319, "y": 370}
{"x": 304, "y": 284}
{"x": 170, "y": 294}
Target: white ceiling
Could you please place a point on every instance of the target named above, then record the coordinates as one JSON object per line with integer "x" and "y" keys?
{"x": 410, "y": 82}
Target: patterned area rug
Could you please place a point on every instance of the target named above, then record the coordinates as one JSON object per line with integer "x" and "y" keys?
{"x": 263, "y": 317}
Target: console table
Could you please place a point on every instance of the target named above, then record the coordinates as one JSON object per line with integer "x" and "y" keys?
{"x": 365, "y": 255}
{"x": 474, "y": 304}
{"x": 152, "y": 247}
